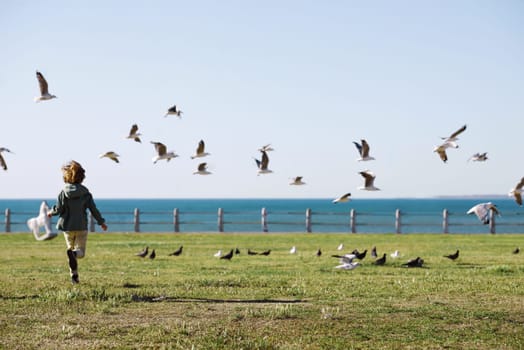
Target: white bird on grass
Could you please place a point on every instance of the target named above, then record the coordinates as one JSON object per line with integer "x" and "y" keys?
{"x": 111, "y": 155}
{"x": 482, "y": 211}
{"x": 395, "y": 254}
{"x": 342, "y": 199}
{"x": 293, "y": 250}
{"x": 340, "y": 246}
{"x": 516, "y": 192}
{"x": 347, "y": 263}
{"x": 134, "y": 134}
{"x": 44, "y": 89}
{"x": 218, "y": 254}
{"x": 200, "y": 151}
{"x": 202, "y": 170}
{"x": 3, "y": 164}
{"x": 363, "y": 150}
{"x": 162, "y": 152}
{"x": 369, "y": 180}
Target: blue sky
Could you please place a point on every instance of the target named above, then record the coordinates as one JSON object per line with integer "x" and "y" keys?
{"x": 308, "y": 77}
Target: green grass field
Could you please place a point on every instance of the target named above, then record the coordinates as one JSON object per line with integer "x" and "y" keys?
{"x": 280, "y": 301}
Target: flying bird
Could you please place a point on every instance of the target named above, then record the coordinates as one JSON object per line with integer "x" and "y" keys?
{"x": 202, "y": 170}
{"x": 482, "y": 211}
{"x": 111, "y": 155}
{"x": 453, "y": 137}
{"x": 479, "y": 157}
{"x": 346, "y": 261}
{"x": 342, "y": 199}
{"x": 417, "y": 262}
{"x": 453, "y": 256}
{"x": 174, "y": 111}
{"x": 266, "y": 148}
{"x": 369, "y": 180}
{"x": 363, "y": 150}
{"x": 3, "y": 164}
{"x": 44, "y": 89}
{"x": 297, "y": 180}
{"x": 177, "y": 252}
{"x": 380, "y": 261}
{"x": 441, "y": 151}
{"x": 152, "y": 255}
{"x": 143, "y": 253}
{"x": 516, "y": 192}
{"x": 228, "y": 256}
{"x": 263, "y": 164}
{"x": 162, "y": 153}
{"x": 200, "y": 151}
{"x": 134, "y": 134}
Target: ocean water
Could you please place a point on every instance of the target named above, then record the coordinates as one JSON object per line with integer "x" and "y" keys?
{"x": 284, "y": 215}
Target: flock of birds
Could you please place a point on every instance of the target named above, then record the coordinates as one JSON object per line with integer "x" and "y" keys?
{"x": 348, "y": 261}
{"x": 262, "y": 164}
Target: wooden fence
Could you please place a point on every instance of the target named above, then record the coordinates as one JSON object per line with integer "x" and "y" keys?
{"x": 351, "y": 221}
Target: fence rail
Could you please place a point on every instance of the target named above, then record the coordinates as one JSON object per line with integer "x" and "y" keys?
{"x": 307, "y": 221}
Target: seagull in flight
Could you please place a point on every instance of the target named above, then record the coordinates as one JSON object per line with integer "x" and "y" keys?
{"x": 516, "y": 192}
{"x": 263, "y": 164}
{"x": 369, "y": 179}
{"x": 346, "y": 262}
{"x": 342, "y": 199}
{"x": 266, "y": 148}
{"x": 44, "y": 89}
{"x": 297, "y": 181}
{"x": 453, "y": 137}
{"x": 174, "y": 111}
{"x": 202, "y": 170}
{"x": 162, "y": 152}
{"x": 449, "y": 142}
{"x": 479, "y": 157}
{"x": 134, "y": 134}
{"x": 482, "y": 211}
{"x": 200, "y": 151}
{"x": 111, "y": 155}
{"x": 363, "y": 150}
{"x": 3, "y": 164}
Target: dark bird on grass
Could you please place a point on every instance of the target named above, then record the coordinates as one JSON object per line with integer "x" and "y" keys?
{"x": 228, "y": 256}
{"x": 516, "y": 251}
{"x": 237, "y": 251}
{"x": 152, "y": 255}
{"x": 417, "y": 262}
{"x": 143, "y": 253}
{"x": 319, "y": 252}
{"x": 250, "y": 252}
{"x": 380, "y": 261}
{"x": 359, "y": 255}
{"x": 177, "y": 252}
{"x": 266, "y": 253}
{"x": 374, "y": 252}
{"x": 452, "y": 256}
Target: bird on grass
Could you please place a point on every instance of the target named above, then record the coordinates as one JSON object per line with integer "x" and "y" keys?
{"x": 143, "y": 253}
{"x": 200, "y": 151}
{"x": 516, "y": 192}
{"x": 516, "y": 251}
{"x": 346, "y": 262}
{"x": 44, "y": 89}
{"x": 3, "y": 164}
{"x": 293, "y": 250}
{"x": 369, "y": 181}
{"x": 266, "y": 253}
{"x": 162, "y": 152}
{"x": 363, "y": 150}
{"x": 417, "y": 262}
{"x": 177, "y": 252}
{"x": 340, "y": 246}
{"x": 380, "y": 261}
{"x": 319, "y": 252}
{"x": 228, "y": 256}
{"x": 453, "y": 256}
{"x": 342, "y": 199}
{"x": 348, "y": 266}
{"x": 359, "y": 255}
{"x": 374, "y": 252}
{"x": 395, "y": 254}
{"x": 134, "y": 134}
{"x": 218, "y": 254}
{"x": 237, "y": 251}
{"x": 250, "y": 252}
{"x": 482, "y": 211}
{"x": 174, "y": 111}
{"x": 152, "y": 255}
{"x": 111, "y": 155}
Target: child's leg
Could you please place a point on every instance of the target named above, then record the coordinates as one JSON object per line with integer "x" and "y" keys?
{"x": 71, "y": 237}
{"x": 80, "y": 244}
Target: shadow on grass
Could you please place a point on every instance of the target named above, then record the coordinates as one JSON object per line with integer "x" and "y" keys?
{"x": 150, "y": 299}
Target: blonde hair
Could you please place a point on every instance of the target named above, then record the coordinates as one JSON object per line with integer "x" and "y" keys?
{"x": 73, "y": 173}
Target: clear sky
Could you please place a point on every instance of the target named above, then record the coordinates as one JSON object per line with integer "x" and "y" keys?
{"x": 309, "y": 77}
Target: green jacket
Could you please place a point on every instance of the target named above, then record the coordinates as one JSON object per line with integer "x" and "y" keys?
{"x": 73, "y": 201}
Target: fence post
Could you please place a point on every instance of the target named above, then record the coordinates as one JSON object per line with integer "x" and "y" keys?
{"x": 398, "y": 222}
{"x": 137, "y": 220}
{"x": 176, "y": 222}
{"x": 353, "y": 220}
{"x": 220, "y": 220}
{"x": 445, "y": 223}
{"x": 308, "y": 220}
{"x": 7, "y": 220}
{"x": 91, "y": 223}
{"x": 264, "y": 220}
{"x": 491, "y": 221}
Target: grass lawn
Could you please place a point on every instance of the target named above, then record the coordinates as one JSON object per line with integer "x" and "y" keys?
{"x": 280, "y": 301}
